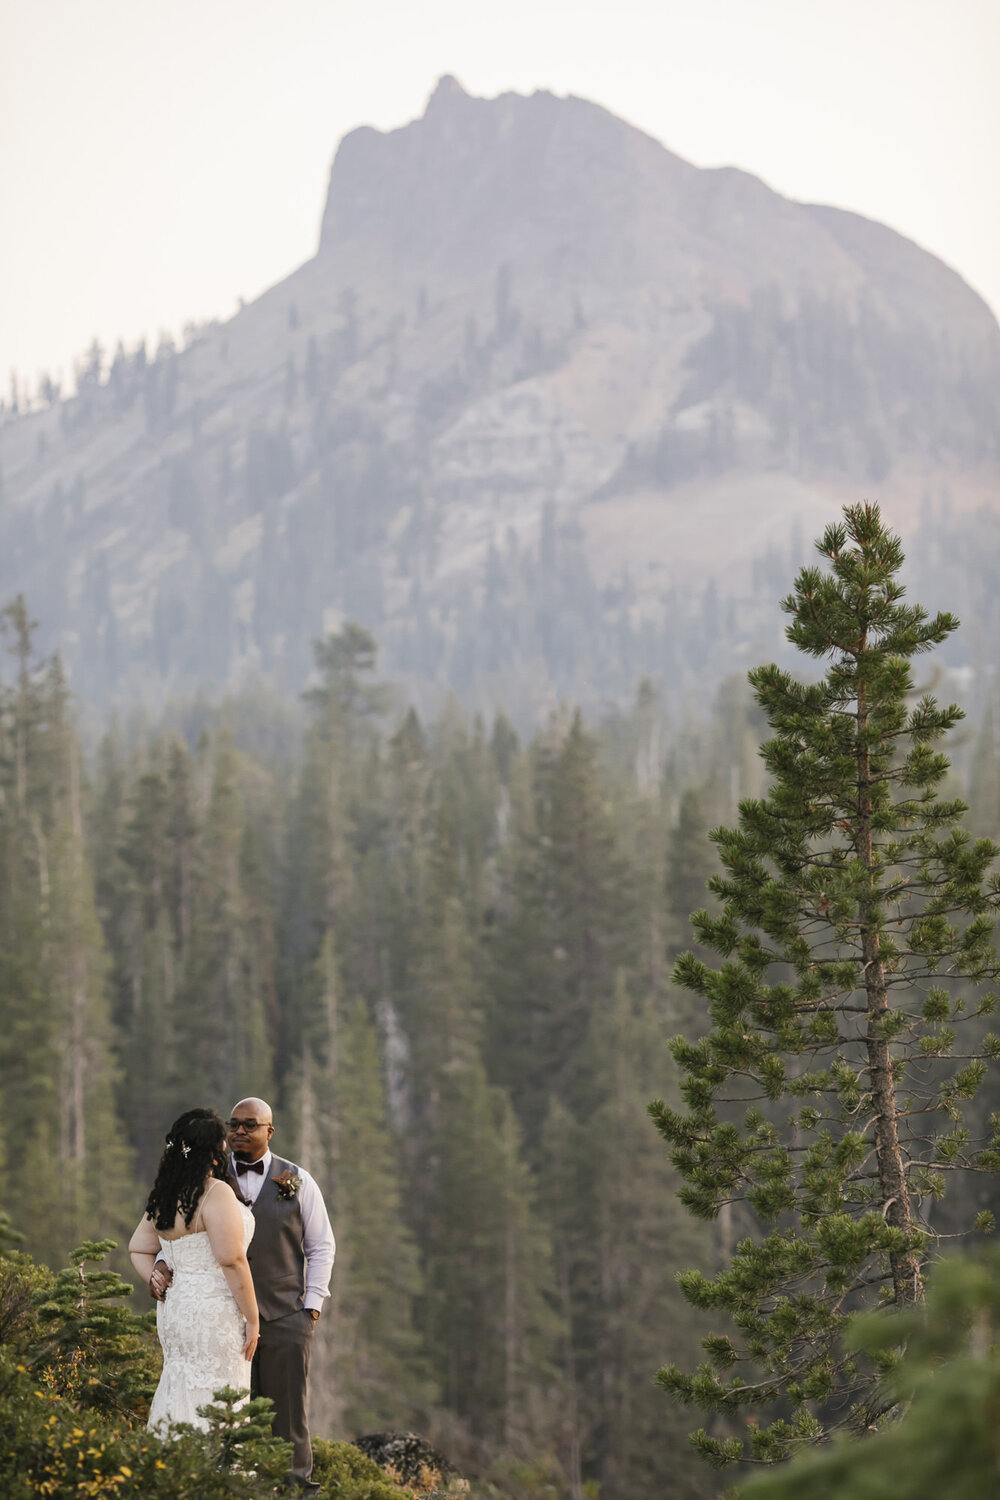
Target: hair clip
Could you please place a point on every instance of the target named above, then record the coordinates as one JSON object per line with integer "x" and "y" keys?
{"x": 186, "y": 1149}
{"x": 170, "y": 1143}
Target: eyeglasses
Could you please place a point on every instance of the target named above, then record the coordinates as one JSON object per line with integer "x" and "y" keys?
{"x": 236, "y": 1126}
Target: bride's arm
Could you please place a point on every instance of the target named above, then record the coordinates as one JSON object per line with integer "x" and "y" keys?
{"x": 224, "y": 1222}
{"x": 144, "y": 1247}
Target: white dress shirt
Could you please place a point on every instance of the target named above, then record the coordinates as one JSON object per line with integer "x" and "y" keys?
{"x": 318, "y": 1243}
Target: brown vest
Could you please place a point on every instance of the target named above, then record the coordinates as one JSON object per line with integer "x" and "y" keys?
{"x": 277, "y": 1259}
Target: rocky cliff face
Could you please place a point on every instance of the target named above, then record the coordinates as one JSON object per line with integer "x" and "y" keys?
{"x": 541, "y": 381}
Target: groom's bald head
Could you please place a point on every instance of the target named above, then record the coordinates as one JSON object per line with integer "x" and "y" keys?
{"x": 257, "y": 1109}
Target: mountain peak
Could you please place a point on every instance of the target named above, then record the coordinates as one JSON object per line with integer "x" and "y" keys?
{"x": 447, "y": 91}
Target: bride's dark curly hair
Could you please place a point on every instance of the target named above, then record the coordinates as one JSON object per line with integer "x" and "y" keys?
{"x": 196, "y": 1148}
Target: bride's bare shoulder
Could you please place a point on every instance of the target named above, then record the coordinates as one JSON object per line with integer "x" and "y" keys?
{"x": 218, "y": 1197}
{"x": 210, "y": 1208}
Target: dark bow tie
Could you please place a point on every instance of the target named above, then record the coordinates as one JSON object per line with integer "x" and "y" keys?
{"x": 250, "y": 1166}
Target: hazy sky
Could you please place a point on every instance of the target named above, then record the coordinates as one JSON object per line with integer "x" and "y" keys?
{"x": 159, "y": 160}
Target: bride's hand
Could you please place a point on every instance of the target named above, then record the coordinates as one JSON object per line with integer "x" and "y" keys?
{"x": 251, "y": 1340}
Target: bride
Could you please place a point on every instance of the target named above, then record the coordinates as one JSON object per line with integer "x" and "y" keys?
{"x": 208, "y": 1323}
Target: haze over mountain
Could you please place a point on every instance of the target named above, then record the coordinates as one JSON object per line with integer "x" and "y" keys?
{"x": 541, "y": 386}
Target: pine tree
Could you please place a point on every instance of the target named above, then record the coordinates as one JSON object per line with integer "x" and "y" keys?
{"x": 222, "y": 1036}
{"x": 567, "y": 926}
{"x": 29, "y": 1072}
{"x": 406, "y": 844}
{"x": 321, "y": 891}
{"x": 56, "y": 1067}
{"x": 142, "y": 834}
{"x": 489, "y": 1309}
{"x": 379, "y": 1369}
{"x": 827, "y": 1099}
{"x": 96, "y": 1185}
{"x": 147, "y": 971}
{"x": 627, "y": 1248}
{"x": 618, "y": 1247}
{"x": 487, "y": 1314}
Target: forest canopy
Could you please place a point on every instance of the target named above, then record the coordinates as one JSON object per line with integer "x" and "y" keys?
{"x": 446, "y": 953}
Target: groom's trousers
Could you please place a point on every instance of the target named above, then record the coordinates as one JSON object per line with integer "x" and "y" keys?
{"x": 280, "y": 1370}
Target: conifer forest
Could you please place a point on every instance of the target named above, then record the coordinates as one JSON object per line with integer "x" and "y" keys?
{"x": 460, "y": 961}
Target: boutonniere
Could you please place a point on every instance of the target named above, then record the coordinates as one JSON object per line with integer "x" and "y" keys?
{"x": 287, "y": 1184}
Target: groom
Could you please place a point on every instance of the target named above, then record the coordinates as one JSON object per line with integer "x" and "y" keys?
{"x": 291, "y": 1260}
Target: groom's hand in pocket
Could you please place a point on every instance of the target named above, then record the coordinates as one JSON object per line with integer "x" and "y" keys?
{"x": 159, "y": 1281}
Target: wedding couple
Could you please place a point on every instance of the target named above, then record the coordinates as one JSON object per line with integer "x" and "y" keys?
{"x": 236, "y": 1247}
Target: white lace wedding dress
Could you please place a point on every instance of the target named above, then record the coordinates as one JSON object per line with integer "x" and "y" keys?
{"x": 201, "y": 1331}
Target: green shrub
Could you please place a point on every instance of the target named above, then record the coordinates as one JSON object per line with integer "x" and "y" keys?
{"x": 346, "y": 1474}
{"x": 88, "y": 1345}
{"x": 22, "y": 1286}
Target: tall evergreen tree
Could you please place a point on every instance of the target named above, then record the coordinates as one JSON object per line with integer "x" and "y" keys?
{"x": 56, "y": 1066}
{"x": 143, "y": 827}
{"x": 489, "y": 1315}
{"x": 27, "y": 1036}
{"x": 567, "y": 925}
{"x": 828, "y": 1095}
{"x": 223, "y": 1047}
{"x": 626, "y": 1248}
{"x": 75, "y": 975}
{"x": 379, "y": 1368}
{"x": 148, "y": 970}
{"x": 323, "y": 834}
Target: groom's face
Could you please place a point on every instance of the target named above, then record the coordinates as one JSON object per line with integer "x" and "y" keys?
{"x": 249, "y": 1133}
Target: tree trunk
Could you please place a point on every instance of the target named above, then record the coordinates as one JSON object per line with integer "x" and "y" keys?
{"x": 895, "y": 1197}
